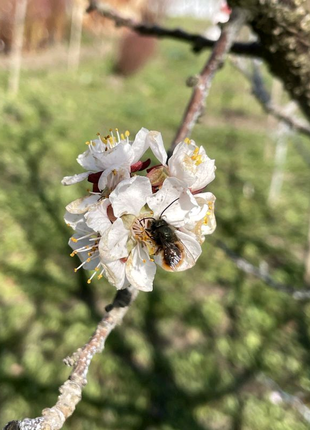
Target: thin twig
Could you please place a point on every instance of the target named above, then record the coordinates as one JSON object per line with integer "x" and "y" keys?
{"x": 198, "y": 42}
{"x": 204, "y": 80}
{"x": 263, "y": 97}
{"x": 261, "y": 273}
{"x": 71, "y": 391}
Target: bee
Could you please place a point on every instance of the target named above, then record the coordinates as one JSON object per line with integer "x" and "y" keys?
{"x": 169, "y": 246}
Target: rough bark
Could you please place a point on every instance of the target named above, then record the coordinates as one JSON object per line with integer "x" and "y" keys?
{"x": 283, "y": 27}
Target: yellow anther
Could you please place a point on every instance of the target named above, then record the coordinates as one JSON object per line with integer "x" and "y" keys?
{"x": 116, "y": 129}
{"x": 144, "y": 261}
{"x": 89, "y": 254}
{"x": 196, "y": 150}
{"x": 111, "y": 140}
{"x": 110, "y": 130}
{"x": 122, "y": 136}
{"x": 127, "y": 133}
{"x": 98, "y": 134}
{"x": 152, "y": 259}
{"x": 187, "y": 140}
{"x": 114, "y": 171}
{"x": 75, "y": 270}
{"x": 74, "y": 239}
{"x": 198, "y": 160}
{"x": 87, "y": 143}
{"x": 100, "y": 276}
{"x": 89, "y": 281}
{"x": 88, "y": 260}
{"x": 104, "y": 140}
{"x": 96, "y": 268}
{"x": 72, "y": 254}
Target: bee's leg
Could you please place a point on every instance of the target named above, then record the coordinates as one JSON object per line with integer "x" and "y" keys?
{"x": 147, "y": 230}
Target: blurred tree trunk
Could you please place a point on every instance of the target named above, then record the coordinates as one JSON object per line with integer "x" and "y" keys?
{"x": 17, "y": 45}
{"x": 78, "y": 8}
{"x": 283, "y": 27}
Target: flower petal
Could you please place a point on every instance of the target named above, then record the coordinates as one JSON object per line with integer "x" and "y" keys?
{"x": 209, "y": 224}
{"x": 130, "y": 195}
{"x": 88, "y": 160}
{"x": 191, "y": 164}
{"x": 70, "y": 180}
{"x": 140, "y": 271}
{"x": 121, "y": 154}
{"x": 155, "y": 142}
{"x": 112, "y": 245}
{"x": 115, "y": 274}
{"x": 173, "y": 202}
{"x": 180, "y": 164}
{"x": 139, "y": 145}
{"x": 80, "y": 206}
{"x": 110, "y": 178}
{"x": 205, "y": 174}
{"x": 97, "y": 217}
{"x": 76, "y": 221}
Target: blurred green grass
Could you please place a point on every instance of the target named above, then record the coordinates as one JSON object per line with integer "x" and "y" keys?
{"x": 190, "y": 354}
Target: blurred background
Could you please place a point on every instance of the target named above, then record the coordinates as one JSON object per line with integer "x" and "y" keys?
{"x": 211, "y": 348}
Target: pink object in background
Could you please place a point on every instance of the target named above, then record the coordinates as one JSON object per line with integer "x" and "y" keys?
{"x": 134, "y": 51}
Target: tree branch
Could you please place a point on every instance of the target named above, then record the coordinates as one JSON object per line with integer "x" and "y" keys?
{"x": 71, "y": 391}
{"x": 204, "y": 80}
{"x": 262, "y": 274}
{"x": 263, "y": 97}
{"x": 283, "y": 28}
{"x": 198, "y": 42}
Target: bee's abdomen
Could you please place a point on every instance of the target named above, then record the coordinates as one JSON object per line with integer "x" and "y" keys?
{"x": 172, "y": 255}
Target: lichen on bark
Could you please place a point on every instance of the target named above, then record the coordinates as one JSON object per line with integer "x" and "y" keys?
{"x": 283, "y": 28}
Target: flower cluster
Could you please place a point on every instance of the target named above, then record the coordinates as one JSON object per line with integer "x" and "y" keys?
{"x": 129, "y": 223}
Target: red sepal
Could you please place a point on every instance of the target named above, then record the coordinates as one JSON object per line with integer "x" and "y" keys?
{"x": 94, "y": 177}
{"x": 140, "y": 165}
{"x": 197, "y": 191}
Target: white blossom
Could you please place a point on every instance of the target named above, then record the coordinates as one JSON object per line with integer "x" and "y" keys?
{"x": 202, "y": 222}
{"x": 130, "y": 224}
{"x": 113, "y": 156}
{"x": 191, "y": 164}
{"x": 188, "y": 162}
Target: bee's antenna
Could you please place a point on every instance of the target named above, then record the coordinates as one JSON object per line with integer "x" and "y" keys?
{"x": 168, "y": 207}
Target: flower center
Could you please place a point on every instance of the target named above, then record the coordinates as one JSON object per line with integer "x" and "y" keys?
{"x": 108, "y": 142}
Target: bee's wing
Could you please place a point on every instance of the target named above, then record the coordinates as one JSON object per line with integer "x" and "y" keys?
{"x": 180, "y": 255}
{"x": 172, "y": 255}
